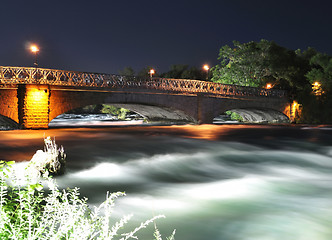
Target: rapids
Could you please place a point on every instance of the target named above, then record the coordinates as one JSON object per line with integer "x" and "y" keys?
{"x": 227, "y": 182}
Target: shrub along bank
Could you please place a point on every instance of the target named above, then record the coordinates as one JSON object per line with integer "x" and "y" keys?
{"x": 28, "y": 212}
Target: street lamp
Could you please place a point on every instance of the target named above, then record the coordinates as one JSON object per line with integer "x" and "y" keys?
{"x": 34, "y": 49}
{"x": 317, "y": 88}
{"x": 206, "y": 68}
{"x": 268, "y": 86}
{"x": 151, "y": 72}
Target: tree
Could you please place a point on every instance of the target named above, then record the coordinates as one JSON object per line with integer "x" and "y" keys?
{"x": 237, "y": 65}
{"x": 176, "y": 71}
{"x": 145, "y": 72}
{"x": 321, "y": 71}
{"x": 183, "y": 71}
{"x": 127, "y": 71}
{"x": 257, "y": 63}
{"x": 319, "y": 102}
{"x": 194, "y": 73}
{"x": 121, "y": 113}
{"x": 306, "y": 75}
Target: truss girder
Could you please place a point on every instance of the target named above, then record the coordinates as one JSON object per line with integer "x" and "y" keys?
{"x": 29, "y": 75}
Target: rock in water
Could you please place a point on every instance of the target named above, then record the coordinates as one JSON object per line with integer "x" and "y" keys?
{"x": 51, "y": 160}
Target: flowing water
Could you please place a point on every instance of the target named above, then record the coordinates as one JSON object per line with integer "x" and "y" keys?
{"x": 227, "y": 182}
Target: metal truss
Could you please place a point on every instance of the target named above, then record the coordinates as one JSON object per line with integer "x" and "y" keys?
{"x": 30, "y": 75}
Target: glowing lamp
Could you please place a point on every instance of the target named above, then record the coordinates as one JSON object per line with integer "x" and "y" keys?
{"x": 317, "y": 88}
{"x": 206, "y": 67}
{"x": 268, "y": 86}
{"x": 151, "y": 72}
{"x": 34, "y": 48}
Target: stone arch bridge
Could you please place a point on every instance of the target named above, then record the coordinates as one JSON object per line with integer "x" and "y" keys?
{"x": 32, "y": 97}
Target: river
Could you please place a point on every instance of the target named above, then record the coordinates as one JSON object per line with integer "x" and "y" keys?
{"x": 220, "y": 182}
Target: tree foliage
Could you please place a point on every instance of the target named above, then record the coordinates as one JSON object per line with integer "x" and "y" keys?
{"x": 127, "y": 71}
{"x": 183, "y": 71}
{"x": 318, "y": 104}
{"x": 321, "y": 71}
{"x": 145, "y": 72}
{"x": 257, "y": 63}
{"x": 307, "y": 75}
{"x": 121, "y": 113}
{"x": 176, "y": 71}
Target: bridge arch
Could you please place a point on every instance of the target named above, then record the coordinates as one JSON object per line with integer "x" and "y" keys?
{"x": 152, "y": 106}
{"x": 156, "y": 113}
{"x": 9, "y": 103}
{"x": 7, "y": 123}
{"x": 156, "y": 106}
{"x": 254, "y": 115}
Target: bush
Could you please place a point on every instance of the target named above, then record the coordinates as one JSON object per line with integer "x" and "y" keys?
{"x": 234, "y": 116}
{"x": 27, "y": 212}
{"x": 121, "y": 113}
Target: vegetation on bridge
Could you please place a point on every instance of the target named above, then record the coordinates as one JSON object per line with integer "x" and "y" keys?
{"x": 307, "y": 75}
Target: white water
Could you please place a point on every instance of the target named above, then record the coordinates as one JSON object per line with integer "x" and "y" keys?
{"x": 247, "y": 183}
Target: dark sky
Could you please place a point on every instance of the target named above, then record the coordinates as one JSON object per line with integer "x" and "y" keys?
{"x": 106, "y": 36}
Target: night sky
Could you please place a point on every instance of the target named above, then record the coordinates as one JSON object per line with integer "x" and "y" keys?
{"x": 106, "y": 36}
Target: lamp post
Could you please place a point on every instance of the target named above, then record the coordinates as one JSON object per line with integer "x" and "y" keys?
{"x": 317, "y": 88}
{"x": 151, "y": 72}
{"x": 34, "y": 49}
{"x": 206, "y": 68}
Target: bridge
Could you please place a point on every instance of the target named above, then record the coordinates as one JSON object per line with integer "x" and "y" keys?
{"x": 32, "y": 97}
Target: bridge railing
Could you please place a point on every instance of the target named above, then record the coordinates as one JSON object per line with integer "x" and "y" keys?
{"x": 29, "y": 75}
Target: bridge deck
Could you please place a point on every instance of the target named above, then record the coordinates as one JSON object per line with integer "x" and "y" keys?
{"x": 30, "y": 75}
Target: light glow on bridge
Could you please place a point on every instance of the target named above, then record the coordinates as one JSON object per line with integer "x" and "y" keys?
{"x": 35, "y": 112}
{"x": 37, "y": 95}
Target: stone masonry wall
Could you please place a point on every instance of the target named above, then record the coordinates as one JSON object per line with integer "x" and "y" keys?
{"x": 33, "y": 106}
{"x": 33, "y": 102}
{"x": 9, "y": 103}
